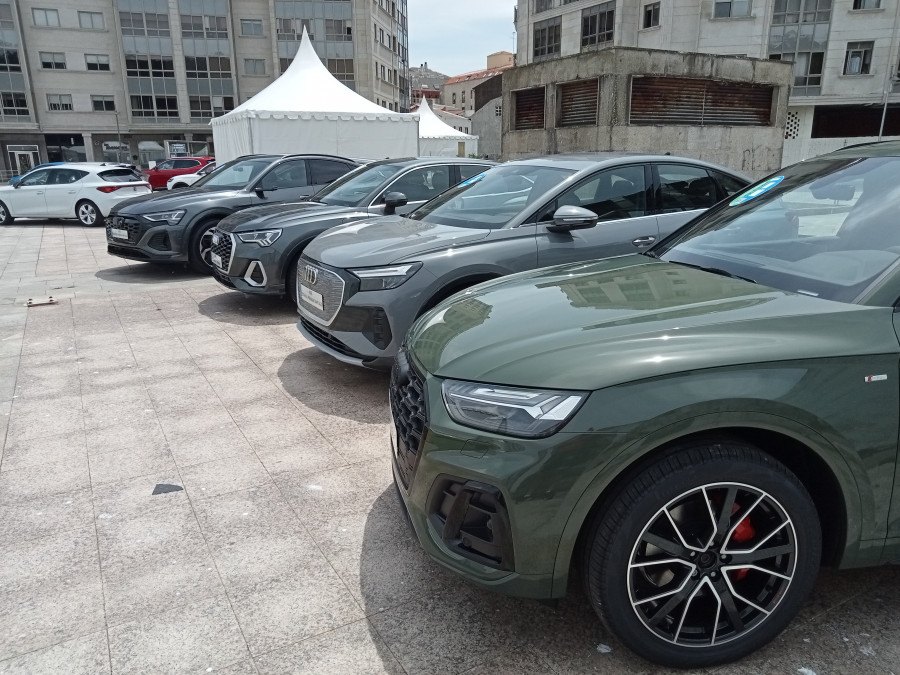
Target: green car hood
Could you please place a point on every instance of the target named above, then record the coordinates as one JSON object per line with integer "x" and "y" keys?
{"x": 592, "y": 325}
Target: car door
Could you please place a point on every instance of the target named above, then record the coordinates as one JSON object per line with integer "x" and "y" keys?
{"x": 287, "y": 181}
{"x": 619, "y": 198}
{"x": 28, "y": 198}
{"x": 161, "y": 173}
{"x": 682, "y": 192}
{"x": 324, "y": 172}
{"x": 62, "y": 191}
{"x": 419, "y": 185}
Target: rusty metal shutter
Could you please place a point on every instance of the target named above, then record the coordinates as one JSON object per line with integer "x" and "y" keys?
{"x": 674, "y": 100}
{"x": 530, "y": 109}
{"x": 578, "y": 103}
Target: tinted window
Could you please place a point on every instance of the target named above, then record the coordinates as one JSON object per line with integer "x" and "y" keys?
{"x": 166, "y": 165}
{"x": 120, "y": 176}
{"x": 235, "y": 174}
{"x": 684, "y": 188}
{"x": 326, "y": 171}
{"x": 65, "y": 176}
{"x": 613, "y": 194}
{"x": 729, "y": 184}
{"x": 466, "y": 171}
{"x": 35, "y": 178}
{"x": 287, "y": 175}
{"x": 420, "y": 184}
{"x": 356, "y": 187}
{"x": 209, "y": 168}
{"x": 185, "y": 163}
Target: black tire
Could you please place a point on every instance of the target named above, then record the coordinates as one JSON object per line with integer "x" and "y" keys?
{"x": 178, "y": 186}
{"x": 201, "y": 242}
{"x": 88, "y": 214}
{"x": 678, "y": 594}
{"x": 5, "y": 217}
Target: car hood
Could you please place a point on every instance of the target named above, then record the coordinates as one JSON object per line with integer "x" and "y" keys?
{"x": 281, "y": 216}
{"x": 593, "y": 325}
{"x": 384, "y": 240}
{"x": 177, "y": 199}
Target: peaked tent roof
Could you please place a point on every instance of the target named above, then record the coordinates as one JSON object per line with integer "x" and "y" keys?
{"x": 308, "y": 86}
{"x": 432, "y": 126}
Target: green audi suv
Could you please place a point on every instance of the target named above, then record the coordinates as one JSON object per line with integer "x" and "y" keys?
{"x": 695, "y": 429}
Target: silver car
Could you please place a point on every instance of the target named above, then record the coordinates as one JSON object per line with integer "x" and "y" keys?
{"x": 361, "y": 286}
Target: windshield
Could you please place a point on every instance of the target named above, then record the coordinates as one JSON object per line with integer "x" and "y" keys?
{"x": 236, "y": 174}
{"x": 493, "y": 198}
{"x": 355, "y": 187}
{"x": 825, "y": 228}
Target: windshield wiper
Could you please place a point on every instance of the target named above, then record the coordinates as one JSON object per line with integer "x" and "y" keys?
{"x": 716, "y": 270}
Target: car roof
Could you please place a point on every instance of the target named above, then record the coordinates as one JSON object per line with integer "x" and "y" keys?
{"x": 92, "y": 165}
{"x": 872, "y": 149}
{"x": 590, "y": 160}
{"x": 299, "y": 154}
{"x": 199, "y": 157}
{"x": 426, "y": 161}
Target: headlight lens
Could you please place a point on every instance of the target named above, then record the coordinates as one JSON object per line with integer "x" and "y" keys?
{"x": 528, "y": 413}
{"x": 383, "y": 278}
{"x": 263, "y": 237}
{"x": 170, "y": 217}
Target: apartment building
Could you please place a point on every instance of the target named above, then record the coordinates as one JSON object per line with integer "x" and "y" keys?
{"x": 845, "y": 53}
{"x": 109, "y": 80}
{"x": 459, "y": 91}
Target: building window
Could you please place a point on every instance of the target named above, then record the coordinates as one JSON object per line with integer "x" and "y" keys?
{"x": 59, "y": 101}
{"x": 251, "y": 27}
{"x": 858, "y": 60}
{"x": 53, "y": 60}
{"x": 207, "y": 67}
{"x": 291, "y": 29}
{"x": 578, "y": 103}
{"x": 597, "y": 24}
{"x": 284, "y": 64}
{"x": 731, "y": 8}
{"x": 154, "y": 106}
{"x": 498, "y": 111}
{"x": 542, "y": 5}
{"x": 463, "y": 99}
{"x": 207, "y": 107}
{"x": 14, "y": 103}
{"x": 529, "y": 113}
{"x": 651, "y": 15}
{"x": 342, "y": 69}
{"x": 149, "y": 66}
{"x": 103, "y": 103}
{"x": 254, "y": 66}
{"x": 454, "y": 98}
{"x": 6, "y": 17}
{"x": 547, "y": 37}
{"x": 96, "y": 61}
{"x": 866, "y": 4}
{"x": 46, "y": 18}
{"x": 9, "y": 61}
{"x": 144, "y": 23}
{"x": 196, "y": 26}
{"x": 804, "y": 44}
{"x": 91, "y": 20}
{"x": 337, "y": 30}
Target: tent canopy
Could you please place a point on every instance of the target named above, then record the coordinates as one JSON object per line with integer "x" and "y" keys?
{"x": 437, "y": 138}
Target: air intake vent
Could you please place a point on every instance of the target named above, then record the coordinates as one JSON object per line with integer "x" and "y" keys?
{"x": 529, "y": 109}
{"x": 678, "y": 100}
{"x": 578, "y": 103}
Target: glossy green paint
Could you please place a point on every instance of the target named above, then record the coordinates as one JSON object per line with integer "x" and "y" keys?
{"x": 666, "y": 351}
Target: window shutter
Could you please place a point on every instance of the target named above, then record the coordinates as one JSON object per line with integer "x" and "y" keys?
{"x": 578, "y": 103}
{"x": 673, "y": 100}
{"x": 530, "y": 109}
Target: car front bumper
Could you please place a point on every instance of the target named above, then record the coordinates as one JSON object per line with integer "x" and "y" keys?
{"x": 144, "y": 240}
{"x": 247, "y": 267}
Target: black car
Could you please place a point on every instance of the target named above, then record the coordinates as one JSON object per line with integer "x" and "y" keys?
{"x": 177, "y": 226}
{"x": 256, "y": 250}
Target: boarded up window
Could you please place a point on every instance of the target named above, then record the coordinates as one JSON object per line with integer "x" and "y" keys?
{"x": 530, "y": 109}
{"x": 674, "y": 100}
{"x": 578, "y": 103}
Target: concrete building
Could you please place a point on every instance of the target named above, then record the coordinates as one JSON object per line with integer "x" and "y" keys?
{"x": 79, "y": 77}
{"x": 487, "y": 119}
{"x": 426, "y": 83}
{"x": 459, "y": 90}
{"x": 845, "y": 53}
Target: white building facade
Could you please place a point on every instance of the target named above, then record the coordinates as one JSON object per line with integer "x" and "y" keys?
{"x": 846, "y": 53}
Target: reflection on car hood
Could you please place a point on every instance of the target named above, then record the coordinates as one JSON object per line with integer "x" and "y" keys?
{"x": 384, "y": 240}
{"x": 281, "y": 215}
{"x": 177, "y": 199}
{"x": 624, "y": 319}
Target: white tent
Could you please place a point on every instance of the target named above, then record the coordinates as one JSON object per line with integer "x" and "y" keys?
{"x": 308, "y": 110}
{"x": 437, "y": 138}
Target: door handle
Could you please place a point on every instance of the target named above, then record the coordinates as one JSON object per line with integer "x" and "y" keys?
{"x": 72, "y": 192}
{"x": 643, "y": 241}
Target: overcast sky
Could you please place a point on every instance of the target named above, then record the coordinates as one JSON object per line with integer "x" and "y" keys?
{"x": 455, "y": 36}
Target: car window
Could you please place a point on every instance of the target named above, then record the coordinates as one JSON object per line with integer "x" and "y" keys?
{"x": 36, "y": 178}
{"x": 235, "y": 175}
{"x": 209, "y": 168}
{"x": 65, "y": 176}
{"x": 287, "y": 175}
{"x": 166, "y": 165}
{"x": 120, "y": 175}
{"x": 613, "y": 194}
{"x": 325, "y": 171}
{"x": 729, "y": 184}
{"x": 684, "y": 188}
{"x": 466, "y": 171}
{"x": 420, "y": 184}
{"x": 356, "y": 187}
{"x": 185, "y": 163}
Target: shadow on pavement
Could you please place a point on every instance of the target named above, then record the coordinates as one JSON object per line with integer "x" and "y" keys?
{"x": 144, "y": 272}
{"x": 241, "y": 309}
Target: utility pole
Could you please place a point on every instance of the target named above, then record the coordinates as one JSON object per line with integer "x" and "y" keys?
{"x": 118, "y": 138}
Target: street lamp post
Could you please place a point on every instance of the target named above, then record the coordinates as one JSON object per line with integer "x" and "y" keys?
{"x": 118, "y": 138}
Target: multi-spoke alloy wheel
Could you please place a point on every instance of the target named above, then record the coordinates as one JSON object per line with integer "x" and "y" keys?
{"x": 704, "y": 556}
{"x": 201, "y": 247}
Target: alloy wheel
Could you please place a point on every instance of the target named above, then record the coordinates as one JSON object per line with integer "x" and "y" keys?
{"x": 204, "y": 244}
{"x": 87, "y": 214}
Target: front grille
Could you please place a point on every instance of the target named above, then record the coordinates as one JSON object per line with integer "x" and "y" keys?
{"x": 222, "y": 278}
{"x": 324, "y": 282}
{"x": 223, "y": 248}
{"x": 410, "y": 415}
{"x": 133, "y": 228}
{"x": 328, "y": 339}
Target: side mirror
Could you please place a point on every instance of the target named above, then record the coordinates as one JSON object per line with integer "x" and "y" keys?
{"x": 393, "y": 200}
{"x": 572, "y": 218}
{"x": 17, "y": 185}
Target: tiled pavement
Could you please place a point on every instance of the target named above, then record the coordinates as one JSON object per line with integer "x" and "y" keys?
{"x": 285, "y": 550}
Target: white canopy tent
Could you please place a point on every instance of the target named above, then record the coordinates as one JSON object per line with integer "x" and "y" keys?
{"x": 437, "y": 138}
{"x": 308, "y": 110}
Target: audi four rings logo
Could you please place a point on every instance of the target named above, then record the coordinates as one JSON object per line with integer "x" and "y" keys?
{"x": 312, "y": 275}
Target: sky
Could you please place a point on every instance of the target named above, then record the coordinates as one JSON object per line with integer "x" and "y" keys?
{"x": 455, "y": 36}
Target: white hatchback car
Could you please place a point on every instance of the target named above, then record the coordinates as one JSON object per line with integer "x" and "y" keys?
{"x": 85, "y": 191}
{"x": 188, "y": 179}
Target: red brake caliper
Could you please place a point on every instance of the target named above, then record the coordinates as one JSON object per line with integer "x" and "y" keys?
{"x": 743, "y": 532}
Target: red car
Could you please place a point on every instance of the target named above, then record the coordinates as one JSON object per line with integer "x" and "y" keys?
{"x": 159, "y": 175}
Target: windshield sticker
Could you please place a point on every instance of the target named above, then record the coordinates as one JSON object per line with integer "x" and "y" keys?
{"x": 473, "y": 179}
{"x": 760, "y": 189}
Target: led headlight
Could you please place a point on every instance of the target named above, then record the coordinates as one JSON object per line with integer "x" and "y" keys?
{"x": 170, "y": 217}
{"x": 528, "y": 413}
{"x": 383, "y": 278}
{"x": 262, "y": 237}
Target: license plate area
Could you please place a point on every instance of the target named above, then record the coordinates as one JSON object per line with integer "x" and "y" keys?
{"x": 311, "y": 298}
{"x": 118, "y": 234}
{"x": 216, "y": 260}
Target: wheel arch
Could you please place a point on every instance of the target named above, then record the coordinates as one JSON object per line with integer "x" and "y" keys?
{"x": 455, "y": 286}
